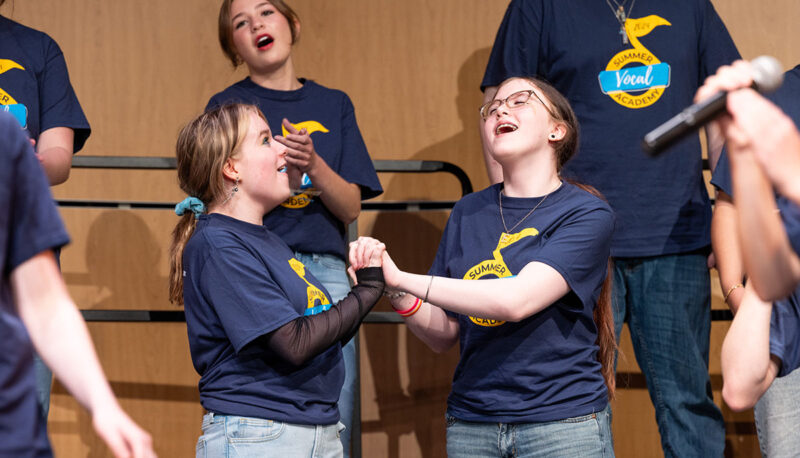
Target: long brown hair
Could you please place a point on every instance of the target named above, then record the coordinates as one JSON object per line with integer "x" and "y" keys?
{"x": 204, "y": 146}
{"x": 225, "y": 28}
{"x": 565, "y": 148}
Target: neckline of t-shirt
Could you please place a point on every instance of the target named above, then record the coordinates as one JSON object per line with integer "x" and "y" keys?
{"x": 258, "y": 229}
{"x": 275, "y": 94}
{"x": 529, "y": 202}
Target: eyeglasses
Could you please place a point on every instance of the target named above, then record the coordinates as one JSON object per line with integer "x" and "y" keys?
{"x": 513, "y": 101}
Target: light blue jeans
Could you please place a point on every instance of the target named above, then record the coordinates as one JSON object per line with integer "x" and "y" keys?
{"x": 229, "y": 436}
{"x": 666, "y": 302}
{"x": 584, "y": 436}
{"x": 778, "y": 417}
{"x": 332, "y": 273}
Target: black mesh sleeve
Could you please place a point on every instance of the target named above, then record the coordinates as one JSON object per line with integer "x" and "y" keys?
{"x": 301, "y": 339}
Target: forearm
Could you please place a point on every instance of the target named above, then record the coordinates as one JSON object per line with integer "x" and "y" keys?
{"x": 430, "y": 324}
{"x": 725, "y": 241}
{"x": 769, "y": 260}
{"x": 747, "y": 368}
{"x": 59, "y": 333}
{"x": 507, "y": 299}
{"x": 302, "y": 339}
{"x": 343, "y": 199}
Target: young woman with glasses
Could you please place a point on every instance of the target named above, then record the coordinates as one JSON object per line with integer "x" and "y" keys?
{"x": 536, "y": 335}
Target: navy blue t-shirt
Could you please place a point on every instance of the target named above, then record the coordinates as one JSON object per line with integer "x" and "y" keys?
{"x": 29, "y": 225}
{"x": 544, "y": 367}
{"x": 619, "y": 93}
{"x": 241, "y": 282}
{"x": 34, "y": 83}
{"x": 303, "y": 222}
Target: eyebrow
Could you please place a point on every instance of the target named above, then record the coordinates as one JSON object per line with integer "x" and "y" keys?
{"x": 233, "y": 19}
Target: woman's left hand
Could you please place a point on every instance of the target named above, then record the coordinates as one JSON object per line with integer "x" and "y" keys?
{"x": 365, "y": 252}
{"x": 300, "y": 151}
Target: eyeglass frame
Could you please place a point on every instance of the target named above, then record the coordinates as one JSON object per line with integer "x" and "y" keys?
{"x": 505, "y": 102}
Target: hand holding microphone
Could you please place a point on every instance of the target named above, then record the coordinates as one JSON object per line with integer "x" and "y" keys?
{"x": 763, "y": 74}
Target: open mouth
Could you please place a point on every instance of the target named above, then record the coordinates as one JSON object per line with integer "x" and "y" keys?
{"x": 504, "y": 128}
{"x": 262, "y": 41}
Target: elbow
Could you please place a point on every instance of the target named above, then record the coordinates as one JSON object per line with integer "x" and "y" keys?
{"x": 737, "y": 396}
{"x": 351, "y": 215}
{"x": 774, "y": 289}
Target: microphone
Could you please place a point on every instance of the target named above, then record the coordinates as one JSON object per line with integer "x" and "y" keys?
{"x": 767, "y": 77}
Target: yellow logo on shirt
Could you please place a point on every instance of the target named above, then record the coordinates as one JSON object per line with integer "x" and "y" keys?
{"x": 302, "y": 200}
{"x": 317, "y": 300}
{"x": 497, "y": 267}
{"x": 636, "y": 86}
{"x": 6, "y": 65}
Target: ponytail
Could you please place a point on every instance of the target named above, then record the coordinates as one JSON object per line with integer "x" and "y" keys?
{"x": 180, "y": 236}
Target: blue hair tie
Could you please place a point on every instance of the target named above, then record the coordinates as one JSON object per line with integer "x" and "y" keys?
{"x": 192, "y": 204}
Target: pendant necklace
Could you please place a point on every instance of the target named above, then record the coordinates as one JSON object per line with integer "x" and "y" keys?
{"x": 619, "y": 13}
{"x": 502, "y": 218}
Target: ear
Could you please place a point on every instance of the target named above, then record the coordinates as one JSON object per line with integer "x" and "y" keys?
{"x": 229, "y": 170}
{"x": 557, "y": 132}
{"x": 296, "y": 31}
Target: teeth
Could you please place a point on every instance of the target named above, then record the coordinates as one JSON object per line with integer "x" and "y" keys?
{"x": 505, "y": 128}
{"x": 263, "y": 41}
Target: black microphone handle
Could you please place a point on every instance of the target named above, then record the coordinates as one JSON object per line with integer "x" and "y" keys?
{"x": 687, "y": 121}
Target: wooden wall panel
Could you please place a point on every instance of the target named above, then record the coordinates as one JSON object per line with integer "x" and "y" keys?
{"x": 142, "y": 69}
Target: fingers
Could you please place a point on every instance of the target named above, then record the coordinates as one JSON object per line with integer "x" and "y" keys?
{"x": 366, "y": 252}
{"x": 728, "y": 78}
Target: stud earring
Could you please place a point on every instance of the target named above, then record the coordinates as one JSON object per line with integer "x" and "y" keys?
{"x": 236, "y": 185}
{"x": 552, "y": 136}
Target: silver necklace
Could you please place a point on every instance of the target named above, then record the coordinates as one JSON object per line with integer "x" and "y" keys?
{"x": 502, "y": 218}
{"x": 619, "y": 13}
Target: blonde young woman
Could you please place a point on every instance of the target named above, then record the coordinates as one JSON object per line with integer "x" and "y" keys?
{"x": 264, "y": 334}
{"x": 536, "y": 335}
{"x": 323, "y": 142}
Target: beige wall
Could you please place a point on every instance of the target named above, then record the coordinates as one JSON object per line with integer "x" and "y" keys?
{"x": 412, "y": 68}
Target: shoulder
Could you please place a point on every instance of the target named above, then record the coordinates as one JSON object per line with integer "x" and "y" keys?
{"x": 318, "y": 90}
{"x": 32, "y": 40}
{"x": 579, "y": 201}
{"x": 235, "y": 93}
{"x": 478, "y": 199}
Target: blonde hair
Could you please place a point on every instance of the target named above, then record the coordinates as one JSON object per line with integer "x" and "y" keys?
{"x": 204, "y": 146}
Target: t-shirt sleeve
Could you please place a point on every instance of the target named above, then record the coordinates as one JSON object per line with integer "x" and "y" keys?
{"x": 716, "y": 47}
{"x": 34, "y": 223}
{"x": 247, "y": 300}
{"x": 579, "y": 250}
{"x": 59, "y": 104}
{"x": 784, "y": 334}
{"x": 721, "y": 178}
{"x": 516, "y": 47}
{"x": 356, "y": 165}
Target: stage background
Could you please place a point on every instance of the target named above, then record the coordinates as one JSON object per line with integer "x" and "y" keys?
{"x": 412, "y": 68}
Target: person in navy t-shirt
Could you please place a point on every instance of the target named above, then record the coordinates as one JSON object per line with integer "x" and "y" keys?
{"x": 264, "y": 334}
{"x": 627, "y": 66}
{"x": 536, "y": 334}
{"x": 318, "y": 126}
{"x": 35, "y": 309}
{"x": 764, "y": 338}
{"x": 35, "y": 88}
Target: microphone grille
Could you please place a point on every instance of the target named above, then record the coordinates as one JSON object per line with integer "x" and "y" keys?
{"x": 767, "y": 73}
